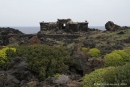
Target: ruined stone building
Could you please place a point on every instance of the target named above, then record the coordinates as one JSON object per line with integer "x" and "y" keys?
{"x": 64, "y": 24}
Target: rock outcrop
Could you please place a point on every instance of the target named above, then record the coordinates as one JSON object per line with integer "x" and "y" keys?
{"x": 18, "y": 75}
{"x": 110, "y": 26}
{"x": 6, "y": 33}
{"x": 10, "y": 31}
{"x": 14, "y": 36}
{"x": 84, "y": 64}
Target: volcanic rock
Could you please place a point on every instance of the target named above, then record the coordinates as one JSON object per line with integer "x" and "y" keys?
{"x": 17, "y": 74}
{"x": 110, "y": 26}
{"x": 84, "y": 63}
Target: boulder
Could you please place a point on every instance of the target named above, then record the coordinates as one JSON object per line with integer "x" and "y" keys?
{"x": 110, "y": 26}
{"x": 62, "y": 79}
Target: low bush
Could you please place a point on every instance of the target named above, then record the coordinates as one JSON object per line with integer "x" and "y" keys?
{"x": 109, "y": 76}
{"x": 95, "y": 78}
{"x": 56, "y": 75}
{"x": 119, "y": 75}
{"x": 123, "y": 54}
{"x": 113, "y": 59}
{"x": 123, "y": 75}
{"x": 127, "y": 50}
{"x": 84, "y": 49}
{"x": 4, "y": 56}
{"x": 45, "y": 61}
{"x": 94, "y": 52}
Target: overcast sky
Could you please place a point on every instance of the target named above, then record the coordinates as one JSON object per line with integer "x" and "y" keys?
{"x": 96, "y": 12}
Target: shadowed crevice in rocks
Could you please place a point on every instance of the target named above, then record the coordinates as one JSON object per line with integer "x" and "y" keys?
{"x": 84, "y": 64}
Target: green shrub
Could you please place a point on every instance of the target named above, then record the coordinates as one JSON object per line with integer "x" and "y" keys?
{"x": 109, "y": 76}
{"x": 113, "y": 59}
{"x": 118, "y": 75}
{"x": 127, "y": 50}
{"x": 45, "y": 60}
{"x": 4, "y": 56}
{"x": 123, "y": 54}
{"x": 56, "y": 75}
{"x": 84, "y": 49}
{"x": 94, "y": 52}
{"x": 95, "y": 78}
{"x": 123, "y": 74}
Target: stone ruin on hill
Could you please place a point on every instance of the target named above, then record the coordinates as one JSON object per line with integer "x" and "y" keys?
{"x": 66, "y": 25}
{"x": 50, "y": 33}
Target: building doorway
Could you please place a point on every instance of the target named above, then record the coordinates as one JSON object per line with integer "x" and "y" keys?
{"x": 63, "y": 26}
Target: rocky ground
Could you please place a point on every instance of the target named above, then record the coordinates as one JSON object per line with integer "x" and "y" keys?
{"x": 114, "y": 37}
{"x": 17, "y": 73}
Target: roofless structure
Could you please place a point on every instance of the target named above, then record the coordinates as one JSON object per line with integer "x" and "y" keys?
{"x": 64, "y": 24}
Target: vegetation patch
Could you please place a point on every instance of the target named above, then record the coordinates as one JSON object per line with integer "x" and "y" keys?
{"x": 4, "y": 56}
{"x": 84, "y": 49}
{"x": 45, "y": 61}
{"x": 119, "y": 75}
{"x": 94, "y": 52}
{"x": 110, "y": 76}
{"x": 113, "y": 59}
{"x": 123, "y": 54}
{"x": 95, "y": 78}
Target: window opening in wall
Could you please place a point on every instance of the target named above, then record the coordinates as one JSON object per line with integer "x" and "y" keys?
{"x": 63, "y": 26}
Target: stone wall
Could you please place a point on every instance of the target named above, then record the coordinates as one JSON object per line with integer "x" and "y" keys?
{"x": 64, "y": 24}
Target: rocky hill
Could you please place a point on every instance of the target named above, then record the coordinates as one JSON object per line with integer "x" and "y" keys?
{"x": 10, "y": 31}
{"x": 63, "y": 59}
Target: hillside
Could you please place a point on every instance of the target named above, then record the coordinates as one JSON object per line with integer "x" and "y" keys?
{"x": 65, "y": 60}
